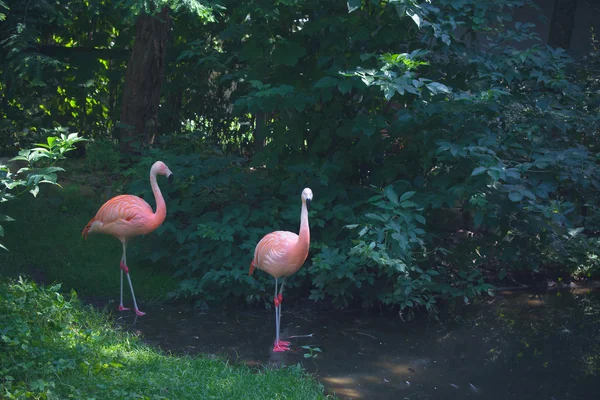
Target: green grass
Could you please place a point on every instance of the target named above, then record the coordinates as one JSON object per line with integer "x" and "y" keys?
{"x": 52, "y": 347}
{"x": 45, "y": 242}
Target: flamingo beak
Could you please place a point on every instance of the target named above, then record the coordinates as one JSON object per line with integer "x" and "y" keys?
{"x": 170, "y": 177}
{"x": 308, "y": 201}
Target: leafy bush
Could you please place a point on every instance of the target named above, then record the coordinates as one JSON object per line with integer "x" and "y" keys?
{"x": 220, "y": 209}
{"x": 39, "y": 168}
{"x": 102, "y": 155}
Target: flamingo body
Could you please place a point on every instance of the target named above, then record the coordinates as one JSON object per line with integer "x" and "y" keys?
{"x": 278, "y": 255}
{"x": 126, "y": 216}
{"x": 281, "y": 254}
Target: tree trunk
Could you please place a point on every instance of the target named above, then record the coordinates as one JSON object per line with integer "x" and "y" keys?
{"x": 143, "y": 82}
{"x": 562, "y": 23}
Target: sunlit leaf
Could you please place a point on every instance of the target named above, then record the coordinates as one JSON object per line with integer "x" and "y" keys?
{"x": 354, "y": 5}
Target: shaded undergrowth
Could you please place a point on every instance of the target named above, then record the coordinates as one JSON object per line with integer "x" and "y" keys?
{"x": 45, "y": 243}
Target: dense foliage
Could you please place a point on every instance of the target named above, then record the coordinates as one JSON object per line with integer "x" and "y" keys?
{"x": 51, "y": 346}
{"x": 446, "y": 145}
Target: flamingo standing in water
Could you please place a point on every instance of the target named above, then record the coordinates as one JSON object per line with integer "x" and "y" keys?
{"x": 282, "y": 253}
{"x": 127, "y": 216}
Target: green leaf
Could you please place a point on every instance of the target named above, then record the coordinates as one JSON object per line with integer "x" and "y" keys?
{"x": 407, "y": 195}
{"x": 391, "y": 194}
{"x": 326, "y": 82}
{"x": 502, "y": 274}
{"x": 376, "y": 217}
{"x": 288, "y": 53}
{"x": 575, "y": 232}
{"x": 420, "y": 218}
{"x": 515, "y": 196}
{"x": 345, "y": 86}
{"x": 544, "y": 102}
{"x": 436, "y": 87}
{"x": 6, "y": 218}
{"x": 416, "y": 18}
{"x": 478, "y": 171}
{"x": 408, "y": 203}
{"x": 353, "y": 5}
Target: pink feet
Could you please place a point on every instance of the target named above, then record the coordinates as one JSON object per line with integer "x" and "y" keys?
{"x": 281, "y": 346}
{"x": 138, "y": 312}
{"x": 124, "y": 267}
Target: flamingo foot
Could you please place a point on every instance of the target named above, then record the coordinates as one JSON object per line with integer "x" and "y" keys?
{"x": 280, "y": 346}
{"x": 121, "y": 308}
{"x": 140, "y": 313}
{"x": 124, "y": 267}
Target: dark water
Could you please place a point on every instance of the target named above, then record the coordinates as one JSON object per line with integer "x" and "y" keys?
{"x": 516, "y": 345}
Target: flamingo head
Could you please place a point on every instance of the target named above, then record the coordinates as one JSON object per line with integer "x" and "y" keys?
{"x": 160, "y": 168}
{"x": 307, "y": 196}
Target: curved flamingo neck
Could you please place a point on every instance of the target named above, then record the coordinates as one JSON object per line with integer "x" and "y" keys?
{"x": 161, "y": 208}
{"x": 304, "y": 234}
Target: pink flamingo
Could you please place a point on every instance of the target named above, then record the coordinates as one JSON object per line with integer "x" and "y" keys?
{"x": 282, "y": 253}
{"x": 127, "y": 216}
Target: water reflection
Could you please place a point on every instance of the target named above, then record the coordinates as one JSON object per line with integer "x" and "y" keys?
{"x": 519, "y": 345}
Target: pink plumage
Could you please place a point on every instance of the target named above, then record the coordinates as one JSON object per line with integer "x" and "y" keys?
{"x": 281, "y": 254}
{"x": 123, "y": 217}
{"x": 127, "y": 216}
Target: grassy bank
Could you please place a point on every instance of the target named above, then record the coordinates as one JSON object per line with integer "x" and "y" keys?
{"x": 45, "y": 242}
{"x": 52, "y": 347}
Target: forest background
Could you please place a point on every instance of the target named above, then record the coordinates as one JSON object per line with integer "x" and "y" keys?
{"x": 450, "y": 147}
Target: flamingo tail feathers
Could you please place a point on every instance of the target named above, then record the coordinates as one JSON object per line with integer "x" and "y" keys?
{"x": 252, "y": 268}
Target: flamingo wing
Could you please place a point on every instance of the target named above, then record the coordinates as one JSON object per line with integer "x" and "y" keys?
{"x": 119, "y": 213}
{"x": 272, "y": 252}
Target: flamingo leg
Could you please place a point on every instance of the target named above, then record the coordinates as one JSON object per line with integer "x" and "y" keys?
{"x": 278, "y": 346}
{"x": 123, "y": 267}
{"x": 126, "y": 269}
{"x": 137, "y": 310}
{"x": 280, "y": 298}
